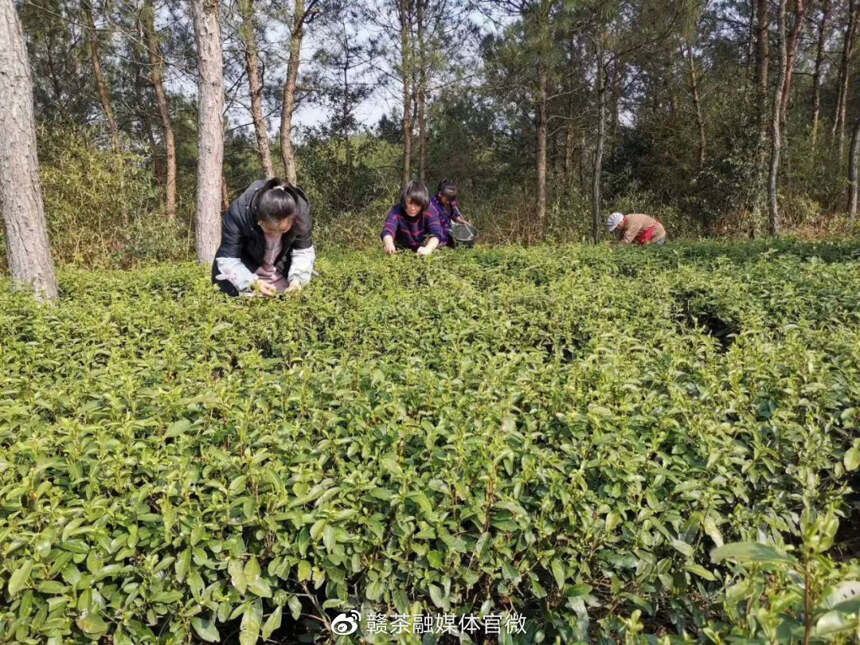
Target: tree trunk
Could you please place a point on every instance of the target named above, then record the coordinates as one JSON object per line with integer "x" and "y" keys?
{"x": 597, "y": 170}
{"x": 104, "y": 96}
{"x": 252, "y": 67}
{"x": 775, "y": 126}
{"x": 791, "y": 52}
{"x": 225, "y": 194}
{"x": 27, "y": 249}
{"x": 852, "y": 171}
{"x": 210, "y": 128}
{"x": 694, "y": 90}
{"x": 143, "y": 108}
{"x": 347, "y": 144}
{"x": 762, "y": 53}
{"x": 541, "y": 148}
{"x": 569, "y": 145}
{"x": 287, "y": 153}
{"x": 751, "y": 38}
{"x": 156, "y": 78}
{"x": 422, "y": 92}
{"x": 762, "y": 94}
{"x": 615, "y": 95}
{"x": 583, "y": 149}
{"x": 406, "y": 74}
{"x": 847, "y": 54}
{"x": 816, "y": 77}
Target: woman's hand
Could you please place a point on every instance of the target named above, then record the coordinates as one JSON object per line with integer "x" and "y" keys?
{"x": 388, "y": 245}
{"x": 265, "y": 289}
{"x": 295, "y": 285}
{"x": 428, "y": 248}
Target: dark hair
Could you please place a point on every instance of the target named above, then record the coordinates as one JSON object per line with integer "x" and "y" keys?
{"x": 447, "y": 189}
{"x": 417, "y": 193}
{"x": 274, "y": 202}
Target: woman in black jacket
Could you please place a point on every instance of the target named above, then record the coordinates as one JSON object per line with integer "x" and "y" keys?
{"x": 266, "y": 245}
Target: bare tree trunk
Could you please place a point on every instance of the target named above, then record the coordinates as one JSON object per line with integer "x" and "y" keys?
{"x": 751, "y": 38}
{"x": 210, "y": 129}
{"x": 816, "y": 77}
{"x": 143, "y": 111}
{"x": 541, "y": 147}
{"x": 225, "y": 194}
{"x": 406, "y": 74}
{"x": 583, "y": 148}
{"x": 597, "y": 170}
{"x": 422, "y": 91}
{"x": 615, "y": 95}
{"x": 852, "y": 171}
{"x": 762, "y": 53}
{"x": 252, "y": 67}
{"x": 847, "y": 54}
{"x": 27, "y": 248}
{"x": 104, "y": 96}
{"x": 156, "y": 78}
{"x": 694, "y": 90}
{"x": 791, "y": 52}
{"x": 296, "y": 35}
{"x": 775, "y": 127}
{"x": 762, "y": 93}
{"x": 569, "y": 145}
{"x": 347, "y": 144}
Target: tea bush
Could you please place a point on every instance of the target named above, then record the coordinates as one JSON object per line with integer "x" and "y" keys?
{"x": 561, "y": 432}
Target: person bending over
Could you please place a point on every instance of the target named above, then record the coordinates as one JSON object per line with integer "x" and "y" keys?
{"x": 638, "y": 228}
{"x": 413, "y": 223}
{"x": 266, "y": 244}
{"x": 445, "y": 203}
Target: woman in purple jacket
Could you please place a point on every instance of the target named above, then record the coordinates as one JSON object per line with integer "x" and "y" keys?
{"x": 413, "y": 223}
{"x": 445, "y": 204}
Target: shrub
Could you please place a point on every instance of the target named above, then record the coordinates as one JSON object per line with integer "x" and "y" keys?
{"x": 562, "y": 432}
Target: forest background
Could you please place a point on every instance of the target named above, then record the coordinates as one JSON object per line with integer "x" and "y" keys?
{"x": 720, "y": 117}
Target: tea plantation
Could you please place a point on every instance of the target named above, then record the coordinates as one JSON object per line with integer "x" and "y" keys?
{"x": 549, "y": 442}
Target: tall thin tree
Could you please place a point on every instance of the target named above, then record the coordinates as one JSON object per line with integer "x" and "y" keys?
{"x": 819, "y": 66}
{"x": 301, "y": 15}
{"x": 252, "y": 68}
{"x": 848, "y": 44}
{"x": 775, "y": 124}
{"x": 687, "y": 52}
{"x": 792, "y": 46}
{"x": 405, "y": 18}
{"x": 156, "y": 77}
{"x": 762, "y": 10}
{"x": 27, "y": 249}
{"x": 597, "y": 166}
{"x": 210, "y": 128}
{"x": 421, "y": 90}
{"x": 852, "y": 172}
{"x": 101, "y": 84}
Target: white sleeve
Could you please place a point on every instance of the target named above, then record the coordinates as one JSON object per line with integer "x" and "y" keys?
{"x": 301, "y": 265}
{"x": 235, "y": 272}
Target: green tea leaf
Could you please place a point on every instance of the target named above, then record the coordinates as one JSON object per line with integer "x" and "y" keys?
{"x": 251, "y": 620}
{"x": 558, "y": 572}
{"x": 272, "y": 623}
{"x": 205, "y": 628}
{"x": 749, "y": 552}
{"x": 20, "y": 577}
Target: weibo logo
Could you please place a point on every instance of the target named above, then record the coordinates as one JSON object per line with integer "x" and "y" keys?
{"x": 346, "y": 624}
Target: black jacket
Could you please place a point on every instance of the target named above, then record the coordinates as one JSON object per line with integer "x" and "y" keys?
{"x": 242, "y": 237}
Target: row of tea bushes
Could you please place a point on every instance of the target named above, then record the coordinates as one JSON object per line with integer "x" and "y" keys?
{"x": 565, "y": 433}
